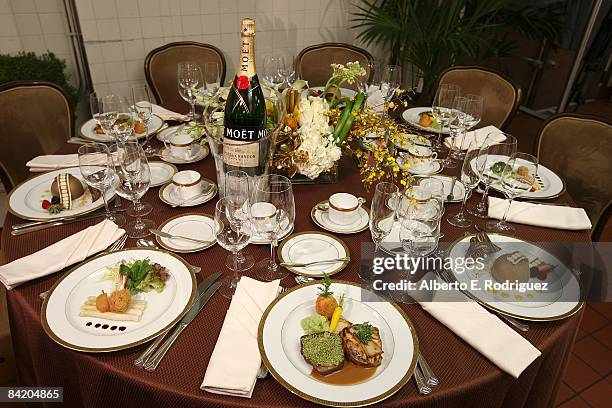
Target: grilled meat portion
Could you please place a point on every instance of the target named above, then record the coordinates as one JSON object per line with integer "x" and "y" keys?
{"x": 323, "y": 351}
{"x": 366, "y": 355}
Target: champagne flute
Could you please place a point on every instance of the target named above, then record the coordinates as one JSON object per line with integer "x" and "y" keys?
{"x": 286, "y": 68}
{"x": 143, "y": 111}
{"x": 98, "y": 170}
{"x": 271, "y": 68}
{"x": 492, "y": 152}
{"x": 518, "y": 177}
{"x": 390, "y": 81}
{"x": 233, "y": 233}
{"x": 238, "y": 192}
{"x": 473, "y": 110}
{"x": 272, "y": 214}
{"x": 440, "y": 108}
{"x": 456, "y": 129}
{"x": 212, "y": 77}
{"x": 470, "y": 176}
{"x": 190, "y": 78}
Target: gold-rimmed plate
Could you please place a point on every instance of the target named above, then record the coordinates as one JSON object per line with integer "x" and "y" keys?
{"x": 60, "y": 311}
{"x": 161, "y": 172}
{"x": 25, "y": 200}
{"x": 279, "y": 345}
{"x": 196, "y": 225}
{"x": 310, "y": 246}
{"x": 321, "y": 218}
{"x": 169, "y": 194}
{"x": 560, "y": 298}
{"x": 88, "y": 130}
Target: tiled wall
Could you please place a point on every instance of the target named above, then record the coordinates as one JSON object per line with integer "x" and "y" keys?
{"x": 37, "y": 26}
{"x": 119, "y": 34}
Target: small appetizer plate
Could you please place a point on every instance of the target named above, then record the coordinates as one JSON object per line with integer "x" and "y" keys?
{"x": 198, "y": 226}
{"x": 412, "y": 116}
{"x": 199, "y": 153}
{"x": 313, "y": 246}
{"x": 170, "y": 196}
{"x": 321, "y": 218}
{"x": 88, "y": 130}
{"x": 279, "y": 344}
{"x": 60, "y": 310}
{"x": 161, "y": 173}
{"x": 433, "y": 168}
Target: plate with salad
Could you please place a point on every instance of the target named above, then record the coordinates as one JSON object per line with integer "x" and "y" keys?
{"x": 422, "y": 118}
{"x": 118, "y": 300}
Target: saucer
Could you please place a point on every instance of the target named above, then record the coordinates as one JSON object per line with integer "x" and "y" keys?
{"x": 311, "y": 246}
{"x": 434, "y": 167}
{"x": 166, "y": 133}
{"x": 196, "y": 225}
{"x": 161, "y": 173}
{"x": 200, "y": 153}
{"x": 321, "y": 218}
{"x": 168, "y": 194}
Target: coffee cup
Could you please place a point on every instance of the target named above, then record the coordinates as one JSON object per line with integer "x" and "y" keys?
{"x": 179, "y": 145}
{"x": 422, "y": 157}
{"x": 344, "y": 208}
{"x": 187, "y": 184}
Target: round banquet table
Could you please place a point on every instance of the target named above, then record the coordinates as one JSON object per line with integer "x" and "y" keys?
{"x": 111, "y": 380}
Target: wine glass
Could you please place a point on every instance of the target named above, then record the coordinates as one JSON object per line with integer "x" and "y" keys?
{"x": 190, "y": 78}
{"x": 237, "y": 191}
{"x": 134, "y": 181}
{"x": 473, "y": 110}
{"x": 233, "y": 232}
{"x": 518, "y": 177}
{"x": 98, "y": 170}
{"x": 286, "y": 68}
{"x": 272, "y": 214}
{"x": 420, "y": 228}
{"x": 212, "y": 76}
{"x": 470, "y": 176}
{"x": 95, "y": 104}
{"x": 143, "y": 111}
{"x": 117, "y": 119}
{"x": 456, "y": 127}
{"x": 271, "y": 69}
{"x": 370, "y": 82}
{"x": 441, "y": 107}
{"x": 390, "y": 81}
{"x": 109, "y": 107}
{"x": 492, "y": 152}
{"x": 434, "y": 187}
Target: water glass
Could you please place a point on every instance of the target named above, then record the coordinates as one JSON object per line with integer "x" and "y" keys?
{"x": 420, "y": 228}
{"x": 190, "y": 78}
{"x": 238, "y": 192}
{"x": 142, "y": 107}
{"x": 470, "y": 176}
{"x": 441, "y": 109}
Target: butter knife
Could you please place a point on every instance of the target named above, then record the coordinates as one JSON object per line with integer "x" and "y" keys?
{"x": 24, "y": 228}
{"x": 163, "y": 234}
{"x": 202, "y": 287}
{"x": 304, "y": 264}
{"x": 197, "y": 306}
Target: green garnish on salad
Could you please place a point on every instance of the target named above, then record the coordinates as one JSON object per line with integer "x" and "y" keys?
{"x": 139, "y": 276}
{"x": 500, "y": 167}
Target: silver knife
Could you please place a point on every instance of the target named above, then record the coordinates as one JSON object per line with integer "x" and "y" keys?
{"x": 58, "y": 221}
{"x": 167, "y": 235}
{"x": 205, "y": 284}
{"x": 198, "y": 305}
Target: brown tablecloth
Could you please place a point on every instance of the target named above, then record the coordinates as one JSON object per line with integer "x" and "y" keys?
{"x": 111, "y": 380}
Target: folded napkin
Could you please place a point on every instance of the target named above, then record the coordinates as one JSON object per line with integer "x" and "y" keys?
{"x": 476, "y": 138}
{"x": 482, "y": 330}
{"x": 58, "y": 256}
{"x": 166, "y": 114}
{"x": 61, "y": 161}
{"x": 235, "y": 361}
{"x": 540, "y": 215}
{"x": 375, "y": 99}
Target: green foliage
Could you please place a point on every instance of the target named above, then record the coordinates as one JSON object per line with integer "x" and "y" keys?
{"x": 29, "y": 66}
{"x": 435, "y": 34}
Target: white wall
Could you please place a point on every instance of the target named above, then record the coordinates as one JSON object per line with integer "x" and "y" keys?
{"x": 37, "y": 26}
{"x": 119, "y": 34}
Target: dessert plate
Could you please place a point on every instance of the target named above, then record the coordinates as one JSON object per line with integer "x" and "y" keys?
{"x": 195, "y": 225}
{"x": 310, "y": 246}
{"x": 321, "y": 218}
{"x": 169, "y": 195}
{"x": 199, "y": 153}
{"x": 161, "y": 173}
{"x": 88, "y": 132}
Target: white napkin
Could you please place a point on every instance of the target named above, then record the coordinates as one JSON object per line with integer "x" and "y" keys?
{"x": 476, "y": 137}
{"x": 58, "y": 256}
{"x": 61, "y": 161}
{"x": 482, "y": 330}
{"x": 166, "y": 114}
{"x": 235, "y": 361}
{"x": 375, "y": 99}
{"x": 540, "y": 215}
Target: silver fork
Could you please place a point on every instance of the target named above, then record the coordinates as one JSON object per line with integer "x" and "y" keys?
{"x": 119, "y": 244}
{"x": 430, "y": 378}
{"x": 420, "y": 382}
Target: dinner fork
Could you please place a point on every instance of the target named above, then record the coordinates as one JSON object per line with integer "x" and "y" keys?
{"x": 116, "y": 246}
{"x": 430, "y": 378}
{"x": 420, "y": 382}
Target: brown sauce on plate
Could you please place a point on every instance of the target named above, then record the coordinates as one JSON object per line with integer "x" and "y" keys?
{"x": 350, "y": 374}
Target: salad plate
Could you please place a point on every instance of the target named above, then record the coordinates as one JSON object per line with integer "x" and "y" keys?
{"x": 558, "y": 299}
{"x": 292, "y": 326}
{"x": 309, "y": 246}
{"x": 25, "y": 200}
{"x": 161, "y": 172}
{"x": 412, "y": 116}
{"x": 75, "y": 315}
{"x": 88, "y": 130}
{"x": 195, "y": 225}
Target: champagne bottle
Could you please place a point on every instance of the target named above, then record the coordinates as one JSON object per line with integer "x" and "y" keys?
{"x": 245, "y": 142}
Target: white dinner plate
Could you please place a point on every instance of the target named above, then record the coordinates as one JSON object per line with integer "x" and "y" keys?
{"x": 161, "y": 173}
{"x": 343, "y": 91}
{"x": 434, "y": 167}
{"x": 199, "y": 153}
{"x": 25, "y": 200}
{"x": 411, "y": 116}
{"x": 169, "y": 195}
{"x": 561, "y": 299}
{"x": 60, "y": 310}
{"x": 279, "y": 344}
{"x": 321, "y": 218}
{"x": 194, "y": 225}
{"x": 311, "y": 246}
{"x": 88, "y": 132}
{"x": 551, "y": 185}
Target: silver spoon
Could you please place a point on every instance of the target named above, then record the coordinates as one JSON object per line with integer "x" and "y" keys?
{"x": 450, "y": 195}
{"x": 145, "y": 243}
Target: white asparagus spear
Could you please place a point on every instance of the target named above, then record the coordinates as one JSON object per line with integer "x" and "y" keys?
{"x": 110, "y": 315}
{"x": 129, "y": 311}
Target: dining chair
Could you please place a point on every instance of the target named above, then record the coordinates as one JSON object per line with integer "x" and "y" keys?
{"x": 161, "y": 69}
{"x": 313, "y": 62}
{"x": 501, "y": 94}
{"x": 578, "y": 148}
{"x": 602, "y": 231}
{"x": 36, "y": 118}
